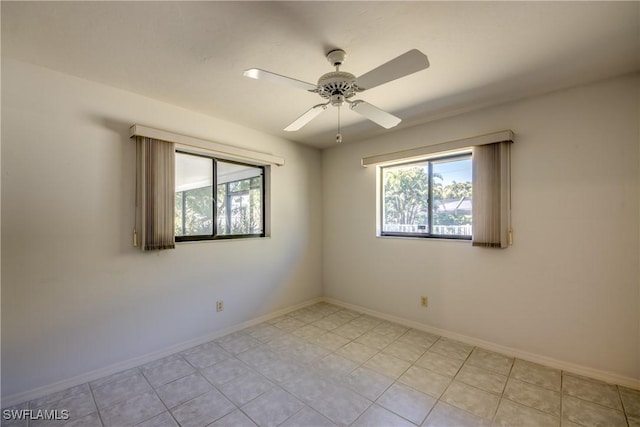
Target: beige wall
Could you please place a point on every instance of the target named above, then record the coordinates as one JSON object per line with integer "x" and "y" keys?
{"x": 569, "y": 287}
{"x": 76, "y": 296}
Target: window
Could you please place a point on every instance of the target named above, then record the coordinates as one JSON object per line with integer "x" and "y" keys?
{"x": 235, "y": 209}
{"x": 427, "y": 198}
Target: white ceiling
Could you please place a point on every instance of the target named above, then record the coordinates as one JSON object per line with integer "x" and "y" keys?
{"x": 192, "y": 54}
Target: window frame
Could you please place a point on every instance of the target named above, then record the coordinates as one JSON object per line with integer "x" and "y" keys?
{"x": 459, "y": 155}
{"x": 214, "y": 187}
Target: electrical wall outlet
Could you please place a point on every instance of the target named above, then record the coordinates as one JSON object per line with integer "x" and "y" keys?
{"x": 219, "y": 306}
{"x": 424, "y": 301}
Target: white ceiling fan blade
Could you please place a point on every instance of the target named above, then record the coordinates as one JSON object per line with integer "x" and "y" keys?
{"x": 403, "y": 65}
{"x": 256, "y": 73}
{"x": 373, "y": 113}
{"x": 309, "y": 115}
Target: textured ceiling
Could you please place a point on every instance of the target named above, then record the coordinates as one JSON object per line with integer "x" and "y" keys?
{"x": 192, "y": 54}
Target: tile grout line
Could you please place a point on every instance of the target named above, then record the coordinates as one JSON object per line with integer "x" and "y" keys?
{"x": 279, "y": 385}
{"x": 596, "y": 403}
{"x": 458, "y": 373}
{"x": 96, "y": 403}
{"x": 238, "y": 407}
{"x": 493, "y": 419}
{"x": 438, "y": 400}
{"x": 624, "y": 409}
{"x": 331, "y": 380}
{"x": 197, "y": 370}
{"x": 156, "y": 393}
{"x": 413, "y": 365}
{"x": 562, "y": 396}
{"x": 159, "y": 398}
{"x": 295, "y": 398}
{"x": 252, "y": 370}
{"x": 361, "y": 365}
{"x": 374, "y": 401}
{"x": 396, "y": 381}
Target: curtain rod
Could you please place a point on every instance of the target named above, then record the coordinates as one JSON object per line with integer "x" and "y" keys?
{"x": 228, "y": 151}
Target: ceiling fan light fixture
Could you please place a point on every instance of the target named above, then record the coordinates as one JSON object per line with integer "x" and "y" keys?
{"x": 337, "y": 100}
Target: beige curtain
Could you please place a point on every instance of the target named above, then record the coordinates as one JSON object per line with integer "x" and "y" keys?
{"x": 492, "y": 195}
{"x": 155, "y": 194}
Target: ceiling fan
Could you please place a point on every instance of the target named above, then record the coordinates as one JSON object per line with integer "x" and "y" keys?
{"x": 338, "y": 87}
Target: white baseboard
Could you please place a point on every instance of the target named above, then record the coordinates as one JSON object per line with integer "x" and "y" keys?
{"x": 609, "y": 377}
{"x": 39, "y": 392}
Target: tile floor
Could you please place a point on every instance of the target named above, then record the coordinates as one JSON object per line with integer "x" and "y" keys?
{"x": 326, "y": 366}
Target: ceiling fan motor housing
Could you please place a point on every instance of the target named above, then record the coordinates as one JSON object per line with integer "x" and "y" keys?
{"x": 337, "y": 85}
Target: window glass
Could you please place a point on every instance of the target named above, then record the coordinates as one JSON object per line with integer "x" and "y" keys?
{"x": 236, "y": 210}
{"x": 429, "y": 198}
{"x": 194, "y": 196}
{"x": 239, "y": 199}
{"x": 406, "y": 198}
{"x": 452, "y": 197}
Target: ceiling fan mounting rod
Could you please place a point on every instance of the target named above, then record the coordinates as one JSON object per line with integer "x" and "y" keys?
{"x": 336, "y": 57}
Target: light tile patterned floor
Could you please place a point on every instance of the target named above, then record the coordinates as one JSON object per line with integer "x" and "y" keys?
{"x": 327, "y": 366}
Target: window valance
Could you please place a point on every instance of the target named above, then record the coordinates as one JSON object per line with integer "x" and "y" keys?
{"x": 225, "y": 151}
{"x": 441, "y": 148}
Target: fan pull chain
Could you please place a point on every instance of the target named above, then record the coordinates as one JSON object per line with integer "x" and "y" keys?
{"x": 339, "y": 135}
